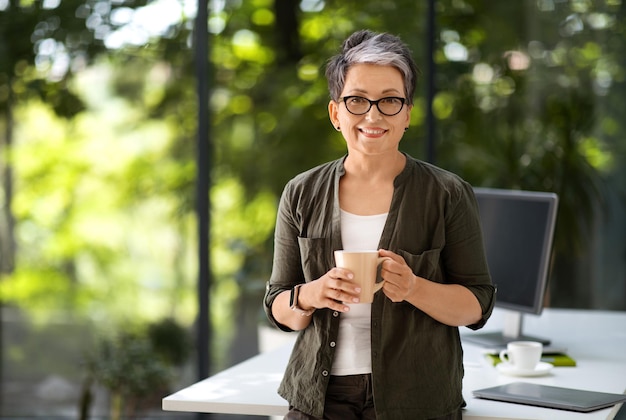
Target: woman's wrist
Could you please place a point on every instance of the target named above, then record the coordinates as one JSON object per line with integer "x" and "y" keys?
{"x": 298, "y": 304}
{"x": 302, "y": 299}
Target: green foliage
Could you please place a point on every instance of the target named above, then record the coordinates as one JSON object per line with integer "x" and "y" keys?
{"x": 127, "y": 365}
{"x": 41, "y": 45}
{"x": 524, "y": 112}
{"x": 171, "y": 341}
{"x": 135, "y": 367}
{"x": 92, "y": 208}
{"x": 44, "y": 290}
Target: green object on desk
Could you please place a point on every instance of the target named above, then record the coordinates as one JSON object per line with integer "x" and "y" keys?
{"x": 557, "y": 359}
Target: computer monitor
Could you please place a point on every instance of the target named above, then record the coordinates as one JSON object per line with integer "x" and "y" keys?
{"x": 518, "y": 228}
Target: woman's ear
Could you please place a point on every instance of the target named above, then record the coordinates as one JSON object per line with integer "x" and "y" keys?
{"x": 409, "y": 108}
{"x": 333, "y": 114}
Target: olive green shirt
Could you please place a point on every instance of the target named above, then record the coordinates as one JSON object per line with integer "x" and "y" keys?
{"x": 417, "y": 362}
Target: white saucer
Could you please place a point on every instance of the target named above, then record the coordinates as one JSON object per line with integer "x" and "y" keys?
{"x": 541, "y": 369}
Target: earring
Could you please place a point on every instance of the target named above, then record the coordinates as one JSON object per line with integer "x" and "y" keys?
{"x": 338, "y": 128}
{"x": 406, "y": 128}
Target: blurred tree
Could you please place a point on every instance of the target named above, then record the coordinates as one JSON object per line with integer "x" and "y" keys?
{"x": 134, "y": 367}
{"x": 522, "y": 88}
{"x": 42, "y": 43}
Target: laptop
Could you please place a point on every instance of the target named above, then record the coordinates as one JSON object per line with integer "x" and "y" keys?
{"x": 550, "y": 396}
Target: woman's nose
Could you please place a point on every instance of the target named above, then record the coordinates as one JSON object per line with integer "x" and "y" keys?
{"x": 373, "y": 114}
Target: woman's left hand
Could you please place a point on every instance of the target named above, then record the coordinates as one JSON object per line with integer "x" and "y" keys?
{"x": 450, "y": 304}
{"x": 400, "y": 282}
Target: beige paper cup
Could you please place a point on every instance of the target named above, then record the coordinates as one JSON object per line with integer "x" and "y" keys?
{"x": 364, "y": 266}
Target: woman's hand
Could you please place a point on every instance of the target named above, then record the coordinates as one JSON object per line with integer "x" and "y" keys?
{"x": 333, "y": 290}
{"x": 400, "y": 282}
{"x": 450, "y": 304}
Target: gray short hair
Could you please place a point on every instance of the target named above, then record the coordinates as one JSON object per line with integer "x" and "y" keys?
{"x": 368, "y": 47}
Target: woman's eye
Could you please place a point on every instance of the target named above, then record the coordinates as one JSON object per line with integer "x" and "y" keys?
{"x": 390, "y": 101}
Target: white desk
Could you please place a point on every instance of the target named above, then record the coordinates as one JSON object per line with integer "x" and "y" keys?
{"x": 595, "y": 339}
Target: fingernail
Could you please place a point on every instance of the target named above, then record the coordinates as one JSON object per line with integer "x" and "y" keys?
{"x": 346, "y": 308}
{"x": 355, "y": 300}
{"x": 357, "y": 289}
{"x": 350, "y": 276}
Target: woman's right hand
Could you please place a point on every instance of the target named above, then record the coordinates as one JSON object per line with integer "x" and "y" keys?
{"x": 333, "y": 290}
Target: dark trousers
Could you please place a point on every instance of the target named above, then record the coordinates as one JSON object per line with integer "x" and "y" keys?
{"x": 350, "y": 398}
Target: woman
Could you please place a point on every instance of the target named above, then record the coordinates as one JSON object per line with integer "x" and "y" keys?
{"x": 399, "y": 357}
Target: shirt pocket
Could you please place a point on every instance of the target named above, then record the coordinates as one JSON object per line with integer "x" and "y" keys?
{"x": 426, "y": 264}
{"x": 315, "y": 257}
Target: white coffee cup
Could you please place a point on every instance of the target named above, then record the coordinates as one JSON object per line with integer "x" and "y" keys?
{"x": 522, "y": 355}
{"x": 364, "y": 266}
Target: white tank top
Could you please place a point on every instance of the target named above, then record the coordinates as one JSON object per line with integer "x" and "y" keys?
{"x": 354, "y": 344}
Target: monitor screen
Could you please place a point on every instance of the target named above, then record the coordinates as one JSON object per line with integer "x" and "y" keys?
{"x": 517, "y": 231}
{"x": 518, "y": 228}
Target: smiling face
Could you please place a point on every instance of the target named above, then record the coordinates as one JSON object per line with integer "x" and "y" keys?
{"x": 371, "y": 133}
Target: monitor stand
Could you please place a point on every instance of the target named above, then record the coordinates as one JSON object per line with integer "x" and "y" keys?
{"x": 512, "y": 331}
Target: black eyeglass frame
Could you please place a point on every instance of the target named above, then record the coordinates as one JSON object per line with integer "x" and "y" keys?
{"x": 345, "y": 98}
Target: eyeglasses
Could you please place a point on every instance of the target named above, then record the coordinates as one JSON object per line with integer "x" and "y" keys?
{"x": 358, "y": 105}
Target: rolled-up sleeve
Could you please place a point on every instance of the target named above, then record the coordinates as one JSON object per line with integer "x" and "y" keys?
{"x": 463, "y": 255}
{"x": 286, "y": 270}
